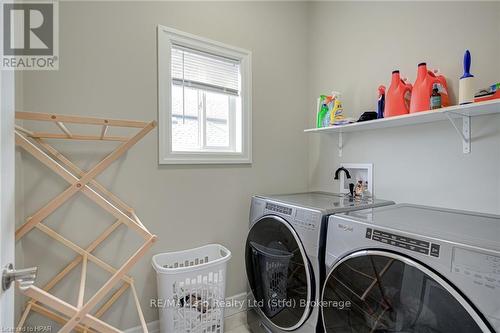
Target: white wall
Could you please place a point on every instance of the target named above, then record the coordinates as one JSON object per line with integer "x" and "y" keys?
{"x": 108, "y": 68}
{"x": 357, "y": 50}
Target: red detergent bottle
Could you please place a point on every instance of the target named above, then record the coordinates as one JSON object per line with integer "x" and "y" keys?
{"x": 397, "y": 100}
{"x": 422, "y": 89}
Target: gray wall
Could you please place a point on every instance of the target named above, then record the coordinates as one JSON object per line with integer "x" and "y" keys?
{"x": 422, "y": 163}
{"x": 108, "y": 68}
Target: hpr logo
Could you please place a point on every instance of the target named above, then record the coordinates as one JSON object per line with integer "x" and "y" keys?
{"x": 30, "y": 35}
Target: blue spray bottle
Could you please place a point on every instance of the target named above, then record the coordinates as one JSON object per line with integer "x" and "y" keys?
{"x": 381, "y": 102}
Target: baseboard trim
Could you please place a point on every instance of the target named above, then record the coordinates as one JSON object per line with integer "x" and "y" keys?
{"x": 239, "y": 300}
{"x": 153, "y": 327}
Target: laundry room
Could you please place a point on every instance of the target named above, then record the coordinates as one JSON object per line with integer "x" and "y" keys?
{"x": 250, "y": 166}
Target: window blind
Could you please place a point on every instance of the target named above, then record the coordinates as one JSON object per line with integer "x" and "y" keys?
{"x": 203, "y": 70}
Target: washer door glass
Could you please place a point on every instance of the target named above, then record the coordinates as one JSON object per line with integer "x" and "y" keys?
{"x": 390, "y": 293}
{"x": 278, "y": 272}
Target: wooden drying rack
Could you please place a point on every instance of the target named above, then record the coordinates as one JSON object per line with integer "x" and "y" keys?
{"x": 77, "y": 317}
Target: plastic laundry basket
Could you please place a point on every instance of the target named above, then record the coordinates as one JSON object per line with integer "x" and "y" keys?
{"x": 191, "y": 289}
{"x": 271, "y": 266}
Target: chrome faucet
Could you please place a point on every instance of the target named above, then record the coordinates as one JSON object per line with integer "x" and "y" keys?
{"x": 348, "y": 175}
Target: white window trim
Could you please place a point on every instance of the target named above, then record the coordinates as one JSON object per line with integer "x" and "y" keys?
{"x": 167, "y": 36}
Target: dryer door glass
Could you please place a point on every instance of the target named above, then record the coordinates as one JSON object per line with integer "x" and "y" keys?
{"x": 390, "y": 293}
{"x": 278, "y": 272}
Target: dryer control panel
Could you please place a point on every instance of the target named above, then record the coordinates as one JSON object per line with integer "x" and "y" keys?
{"x": 301, "y": 218}
{"x": 279, "y": 209}
{"x": 307, "y": 219}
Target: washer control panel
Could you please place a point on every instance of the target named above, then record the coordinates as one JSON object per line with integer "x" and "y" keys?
{"x": 301, "y": 218}
{"x": 404, "y": 242}
{"x": 483, "y": 269}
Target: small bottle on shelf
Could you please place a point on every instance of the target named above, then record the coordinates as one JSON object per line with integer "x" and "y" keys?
{"x": 435, "y": 97}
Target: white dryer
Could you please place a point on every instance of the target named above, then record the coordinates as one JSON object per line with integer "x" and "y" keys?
{"x": 408, "y": 268}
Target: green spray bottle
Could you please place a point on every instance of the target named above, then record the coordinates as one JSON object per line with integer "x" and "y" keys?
{"x": 322, "y": 112}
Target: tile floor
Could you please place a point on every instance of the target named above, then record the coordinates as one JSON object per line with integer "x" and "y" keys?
{"x": 236, "y": 323}
{"x": 240, "y": 329}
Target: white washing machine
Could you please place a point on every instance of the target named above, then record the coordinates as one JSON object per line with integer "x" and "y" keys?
{"x": 407, "y": 268}
{"x": 285, "y": 254}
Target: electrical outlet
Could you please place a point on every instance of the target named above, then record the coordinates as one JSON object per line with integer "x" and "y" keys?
{"x": 358, "y": 171}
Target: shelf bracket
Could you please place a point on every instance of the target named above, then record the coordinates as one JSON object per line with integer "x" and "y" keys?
{"x": 340, "y": 145}
{"x": 464, "y": 133}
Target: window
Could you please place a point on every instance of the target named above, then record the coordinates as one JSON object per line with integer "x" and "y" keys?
{"x": 204, "y": 92}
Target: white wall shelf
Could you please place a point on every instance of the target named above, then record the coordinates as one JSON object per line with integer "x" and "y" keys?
{"x": 463, "y": 112}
